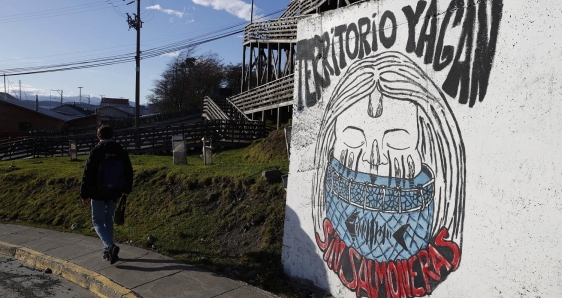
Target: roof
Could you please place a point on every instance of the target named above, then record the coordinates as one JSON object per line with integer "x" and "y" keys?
{"x": 72, "y": 109}
{"x": 126, "y": 110}
{"x": 30, "y": 105}
{"x": 118, "y": 101}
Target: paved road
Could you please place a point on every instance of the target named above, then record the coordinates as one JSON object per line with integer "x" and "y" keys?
{"x": 17, "y": 281}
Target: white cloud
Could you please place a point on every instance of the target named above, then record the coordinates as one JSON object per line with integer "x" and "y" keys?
{"x": 29, "y": 90}
{"x": 238, "y": 8}
{"x": 172, "y": 54}
{"x": 179, "y": 14}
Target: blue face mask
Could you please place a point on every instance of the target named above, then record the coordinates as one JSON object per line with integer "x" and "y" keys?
{"x": 383, "y": 218}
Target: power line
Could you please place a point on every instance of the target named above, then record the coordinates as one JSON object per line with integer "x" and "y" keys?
{"x": 52, "y": 10}
{"x": 44, "y": 15}
{"x": 203, "y": 33}
{"x": 128, "y": 57}
{"x": 115, "y": 8}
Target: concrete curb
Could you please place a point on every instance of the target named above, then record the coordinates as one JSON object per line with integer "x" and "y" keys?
{"x": 86, "y": 278}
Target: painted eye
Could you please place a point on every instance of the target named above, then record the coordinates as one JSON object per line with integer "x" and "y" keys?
{"x": 399, "y": 139}
{"x": 353, "y": 137}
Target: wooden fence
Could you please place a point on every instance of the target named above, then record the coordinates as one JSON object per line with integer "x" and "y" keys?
{"x": 155, "y": 139}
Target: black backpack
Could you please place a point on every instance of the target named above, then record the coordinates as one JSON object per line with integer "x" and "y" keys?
{"x": 111, "y": 175}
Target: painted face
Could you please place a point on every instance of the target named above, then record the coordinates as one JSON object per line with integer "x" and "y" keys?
{"x": 383, "y": 145}
{"x": 373, "y": 196}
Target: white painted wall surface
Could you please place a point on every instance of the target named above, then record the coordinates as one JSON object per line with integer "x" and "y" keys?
{"x": 513, "y": 151}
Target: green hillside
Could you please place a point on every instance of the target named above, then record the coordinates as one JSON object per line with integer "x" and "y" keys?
{"x": 223, "y": 217}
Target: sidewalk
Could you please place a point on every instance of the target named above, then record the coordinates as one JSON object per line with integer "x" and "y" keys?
{"x": 138, "y": 273}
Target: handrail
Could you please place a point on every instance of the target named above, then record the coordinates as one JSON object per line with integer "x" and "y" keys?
{"x": 212, "y": 111}
{"x": 223, "y": 106}
{"x": 275, "y": 93}
{"x": 301, "y": 7}
{"x": 239, "y": 112}
{"x": 284, "y": 29}
{"x": 305, "y": 7}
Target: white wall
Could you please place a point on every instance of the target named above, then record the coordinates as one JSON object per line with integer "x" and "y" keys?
{"x": 508, "y": 145}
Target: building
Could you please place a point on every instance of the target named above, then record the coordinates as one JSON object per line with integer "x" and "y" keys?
{"x": 75, "y": 109}
{"x": 18, "y": 118}
{"x": 114, "y": 102}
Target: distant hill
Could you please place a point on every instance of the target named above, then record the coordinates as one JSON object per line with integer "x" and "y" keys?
{"x": 54, "y": 101}
{"x": 47, "y": 102}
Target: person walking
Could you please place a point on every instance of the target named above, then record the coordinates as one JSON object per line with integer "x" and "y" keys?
{"x": 108, "y": 175}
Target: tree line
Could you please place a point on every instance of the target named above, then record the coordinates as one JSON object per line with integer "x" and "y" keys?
{"x": 188, "y": 78}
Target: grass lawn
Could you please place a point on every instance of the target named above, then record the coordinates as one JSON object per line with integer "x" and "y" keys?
{"x": 223, "y": 217}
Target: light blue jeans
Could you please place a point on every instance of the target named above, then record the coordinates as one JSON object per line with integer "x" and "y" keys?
{"x": 102, "y": 218}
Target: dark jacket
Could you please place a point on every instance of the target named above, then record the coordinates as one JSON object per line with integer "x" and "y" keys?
{"x": 89, "y": 186}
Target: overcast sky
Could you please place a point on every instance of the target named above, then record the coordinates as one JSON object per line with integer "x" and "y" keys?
{"x": 54, "y": 32}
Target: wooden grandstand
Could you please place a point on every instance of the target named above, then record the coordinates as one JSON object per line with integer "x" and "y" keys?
{"x": 269, "y": 54}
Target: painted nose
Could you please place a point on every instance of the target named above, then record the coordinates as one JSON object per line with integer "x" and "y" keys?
{"x": 374, "y": 158}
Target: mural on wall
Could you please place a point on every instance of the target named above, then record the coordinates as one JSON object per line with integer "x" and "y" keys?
{"x": 388, "y": 192}
{"x": 389, "y": 188}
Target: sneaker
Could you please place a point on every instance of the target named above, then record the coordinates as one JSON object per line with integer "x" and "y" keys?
{"x": 113, "y": 254}
{"x": 105, "y": 255}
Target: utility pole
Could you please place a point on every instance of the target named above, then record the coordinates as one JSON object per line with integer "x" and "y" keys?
{"x": 252, "y": 13}
{"x": 20, "y": 89}
{"x": 60, "y": 92}
{"x": 136, "y": 23}
{"x": 4, "y": 86}
{"x": 80, "y": 94}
